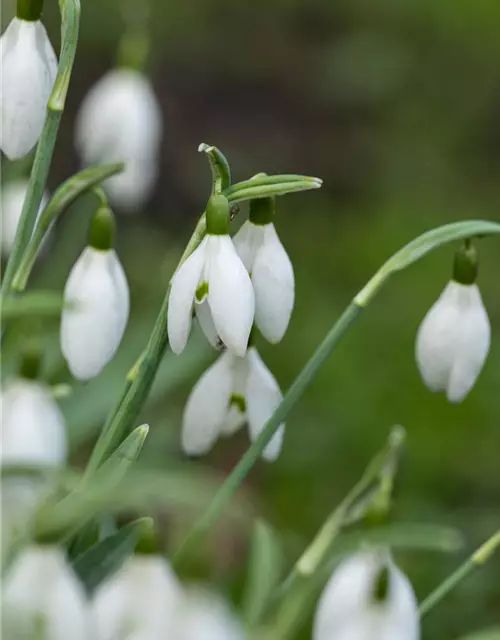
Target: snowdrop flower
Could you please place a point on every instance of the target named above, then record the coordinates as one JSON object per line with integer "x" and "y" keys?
{"x": 42, "y": 597}
{"x": 266, "y": 260}
{"x": 29, "y": 67}
{"x": 213, "y": 280}
{"x": 13, "y": 196}
{"x": 97, "y": 295}
{"x": 120, "y": 120}
{"x": 454, "y": 338}
{"x": 231, "y": 392}
{"x": 140, "y": 601}
{"x": 367, "y": 597}
{"x": 206, "y": 616}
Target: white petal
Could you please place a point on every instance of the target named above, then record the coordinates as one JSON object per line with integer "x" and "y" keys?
{"x": 92, "y": 330}
{"x": 133, "y": 187}
{"x": 206, "y": 322}
{"x": 230, "y": 294}
{"x": 41, "y": 588}
{"x": 13, "y": 196}
{"x": 29, "y": 67}
{"x": 247, "y": 242}
{"x": 473, "y": 344}
{"x": 437, "y": 339}
{"x": 206, "y": 616}
{"x": 119, "y": 119}
{"x": 348, "y": 611}
{"x": 139, "y": 602}
{"x": 207, "y": 407}
{"x": 263, "y": 396}
{"x": 182, "y": 293}
{"x": 274, "y": 285}
{"x": 33, "y": 428}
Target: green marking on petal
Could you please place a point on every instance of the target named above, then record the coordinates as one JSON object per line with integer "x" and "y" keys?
{"x": 238, "y": 401}
{"x": 201, "y": 291}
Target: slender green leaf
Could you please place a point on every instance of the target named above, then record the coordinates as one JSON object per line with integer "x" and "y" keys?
{"x": 34, "y": 303}
{"x": 265, "y": 566}
{"x": 105, "y": 557}
{"x": 422, "y": 245}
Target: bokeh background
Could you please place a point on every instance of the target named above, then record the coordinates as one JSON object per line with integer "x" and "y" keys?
{"x": 396, "y": 105}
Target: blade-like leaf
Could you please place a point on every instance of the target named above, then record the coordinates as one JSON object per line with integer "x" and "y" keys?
{"x": 105, "y": 557}
{"x": 33, "y": 303}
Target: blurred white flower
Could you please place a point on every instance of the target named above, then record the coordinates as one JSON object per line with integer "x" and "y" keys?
{"x": 351, "y": 609}
{"x": 213, "y": 280}
{"x": 13, "y": 197}
{"x": 140, "y": 601}
{"x": 453, "y": 341}
{"x": 29, "y": 67}
{"x": 231, "y": 392}
{"x": 204, "y": 615}
{"x": 93, "y": 325}
{"x": 42, "y": 598}
{"x": 265, "y": 258}
{"x": 120, "y": 120}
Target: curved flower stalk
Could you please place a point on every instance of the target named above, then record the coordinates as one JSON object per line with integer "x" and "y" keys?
{"x": 270, "y": 268}
{"x": 204, "y": 615}
{"x": 141, "y": 601}
{"x": 120, "y": 119}
{"x": 97, "y": 295}
{"x": 453, "y": 340}
{"x": 231, "y": 392}
{"x": 29, "y": 68}
{"x": 367, "y": 597}
{"x": 13, "y": 197}
{"x": 42, "y": 597}
{"x": 213, "y": 280}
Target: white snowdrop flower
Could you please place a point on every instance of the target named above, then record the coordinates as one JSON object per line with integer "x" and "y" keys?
{"x": 120, "y": 120}
{"x": 29, "y": 67}
{"x": 42, "y": 598}
{"x": 454, "y": 339}
{"x": 231, "y": 392}
{"x": 213, "y": 280}
{"x": 205, "y": 615}
{"x": 13, "y": 197}
{"x": 97, "y": 296}
{"x": 367, "y": 598}
{"x": 270, "y": 268}
{"x": 140, "y": 601}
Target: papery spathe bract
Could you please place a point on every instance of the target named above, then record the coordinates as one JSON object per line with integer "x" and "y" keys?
{"x": 13, "y": 197}
{"x": 265, "y": 258}
{"x": 120, "y": 120}
{"x": 204, "y": 615}
{"x": 141, "y": 600}
{"x": 453, "y": 341}
{"x": 214, "y": 276}
{"x": 29, "y": 67}
{"x": 93, "y": 324}
{"x": 351, "y": 609}
{"x": 231, "y": 392}
{"x": 43, "y": 599}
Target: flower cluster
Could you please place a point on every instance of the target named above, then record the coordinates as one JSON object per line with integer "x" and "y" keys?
{"x": 230, "y": 284}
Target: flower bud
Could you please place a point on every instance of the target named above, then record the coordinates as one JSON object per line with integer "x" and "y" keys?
{"x": 13, "y": 197}
{"x": 204, "y": 615}
{"x": 97, "y": 299}
{"x": 29, "y": 67}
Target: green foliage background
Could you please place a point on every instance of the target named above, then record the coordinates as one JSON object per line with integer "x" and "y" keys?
{"x": 396, "y": 105}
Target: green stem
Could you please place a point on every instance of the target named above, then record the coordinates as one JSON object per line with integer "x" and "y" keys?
{"x": 476, "y": 560}
{"x": 70, "y": 17}
{"x": 239, "y": 473}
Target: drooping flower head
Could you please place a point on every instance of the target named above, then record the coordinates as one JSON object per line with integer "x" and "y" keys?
{"x": 270, "y": 268}
{"x": 232, "y": 392}
{"x": 215, "y": 282}
{"x": 97, "y": 299}
{"x": 454, "y": 338}
{"x": 204, "y": 615}
{"x": 29, "y": 67}
{"x": 367, "y": 598}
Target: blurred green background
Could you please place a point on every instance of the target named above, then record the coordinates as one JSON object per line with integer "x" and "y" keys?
{"x": 396, "y": 105}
